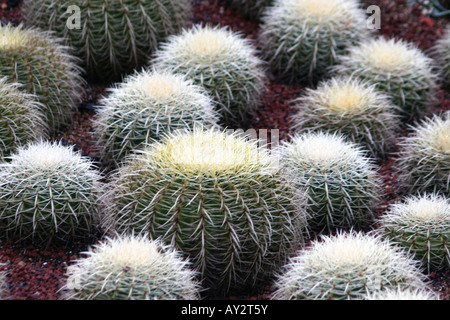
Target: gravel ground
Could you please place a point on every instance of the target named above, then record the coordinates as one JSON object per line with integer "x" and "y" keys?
{"x": 37, "y": 274}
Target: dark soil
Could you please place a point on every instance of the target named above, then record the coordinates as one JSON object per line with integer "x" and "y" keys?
{"x": 34, "y": 273}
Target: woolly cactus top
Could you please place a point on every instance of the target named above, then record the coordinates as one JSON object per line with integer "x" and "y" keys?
{"x": 46, "y": 156}
{"x": 319, "y": 10}
{"x": 209, "y": 152}
{"x": 326, "y": 149}
{"x": 207, "y": 44}
{"x": 430, "y": 209}
{"x": 13, "y": 38}
{"x": 435, "y": 133}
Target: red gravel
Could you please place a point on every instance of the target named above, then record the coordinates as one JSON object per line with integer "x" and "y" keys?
{"x": 34, "y": 273}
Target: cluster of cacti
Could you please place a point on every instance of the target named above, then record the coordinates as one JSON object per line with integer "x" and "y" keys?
{"x": 218, "y": 198}
{"x": 253, "y": 9}
{"x": 22, "y": 118}
{"x": 396, "y": 67}
{"x": 43, "y": 66}
{"x": 303, "y": 38}
{"x": 147, "y": 106}
{"x": 442, "y": 55}
{"x": 352, "y": 108}
{"x": 47, "y": 193}
{"x": 131, "y": 268}
{"x": 406, "y": 294}
{"x": 113, "y": 37}
{"x": 424, "y": 157}
{"x": 342, "y": 183}
{"x": 221, "y": 61}
{"x": 421, "y": 225}
{"x": 347, "y": 266}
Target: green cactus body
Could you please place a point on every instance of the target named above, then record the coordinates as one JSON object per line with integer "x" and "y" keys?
{"x": 37, "y": 61}
{"x": 223, "y": 63}
{"x": 147, "y": 106}
{"x": 253, "y": 9}
{"x": 47, "y": 193}
{"x": 131, "y": 268}
{"x": 114, "y": 37}
{"x": 215, "y": 197}
{"x": 422, "y": 226}
{"x": 347, "y": 266}
{"x": 343, "y": 185}
{"x": 441, "y": 51}
{"x": 302, "y": 38}
{"x": 22, "y": 118}
{"x": 397, "y": 68}
{"x": 424, "y": 158}
{"x": 352, "y": 108}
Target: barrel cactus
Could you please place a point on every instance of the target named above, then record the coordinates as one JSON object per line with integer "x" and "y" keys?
{"x": 44, "y": 67}
{"x": 350, "y": 107}
{"x": 253, "y": 9}
{"x": 347, "y": 266}
{"x": 221, "y": 61}
{"x": 441, "y": 52}
{"x": 131, "y": 268}
{"x": 215, "y": 196}
{"x": 342, "y": 183}
{"x": 424, "y": 157}
{"x": 399, "y": 294}
{"x": 22, "y": 119}
{"x": 48, "y": 193}
{"x": 421, "y": 225}
{"x": 113, "y": 37}
{"x": 302, "y": 38}
{"x": 398, "y": 68}
{"x": 146, "y": 106}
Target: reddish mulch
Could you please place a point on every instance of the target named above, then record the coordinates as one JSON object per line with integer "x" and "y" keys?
{"x": 35, "y": 273}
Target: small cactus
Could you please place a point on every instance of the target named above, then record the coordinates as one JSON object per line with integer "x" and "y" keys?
{"x": 146, "y": 106}
{"x": 253, "y": 9}
{"x": 350, "y": 107}
{"x": 441, "y": 52}
{"x": 216, "y": 197}
{"x": 347, "y": 266}
{"x": 43, "y": 66}
{"x": 221, "y": 61}
{"x": 22, "y": 119}
{"x": 424, "y": 158}
{"x": 303, "y": 38}
{"x": 399, "y": 294}
{"x": 47, "y": 193}
{"x": 114, "y": 37}
{"x": 131, "y": 268}
{"x": 342, "y": 183}
{"x": 422, "y": 226}
{"x": 398, "y": 68}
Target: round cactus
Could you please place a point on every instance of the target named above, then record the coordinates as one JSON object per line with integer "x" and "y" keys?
{"x": 347, "y": 266}
{"x": 113, "y": 37}
{"x": 424, "y": 158}
{"x": 22, "y": 119}
{"x": 146, "y": 106}
{"x": 131, "y": 268}
{"x": 441, "y": 51}
{"x": 350, "y": 107}
{"x": 222, "y": 62}
{"x": 302, "y": 38}
{"x": 342, "y": 183}
{"x": 252, "y": 8}
{"x": 42, "y": 65}
{"x": 218, "y": 198}
{"x": 421, "y": 225}
{"x": 398, "y": 68}
{"x": 399, "y": 294}
{"x": 47, "y": 193}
